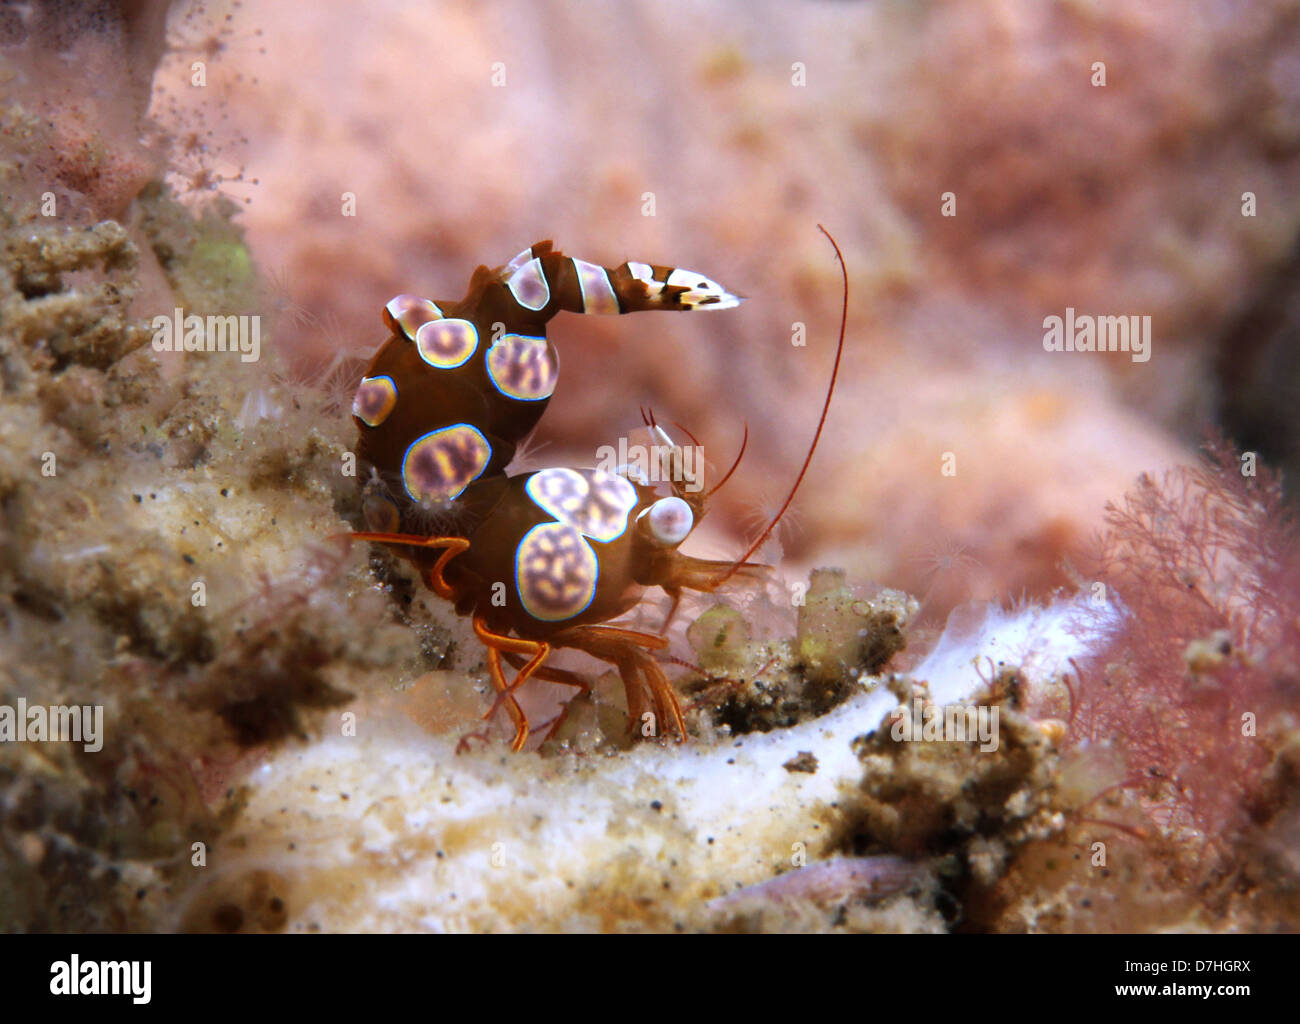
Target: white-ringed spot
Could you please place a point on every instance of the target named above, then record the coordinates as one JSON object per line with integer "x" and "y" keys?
{"x": 446, "y": 344}
{"x": 594, "y": 503}
{"x": 523, "y": 367}
{"x": 405, "y": 314}
{"x": 528, "y": 286}
{"x": 556, "y": 572}
{"x": 442, "y": 463}
{"x": 374, "y": 400}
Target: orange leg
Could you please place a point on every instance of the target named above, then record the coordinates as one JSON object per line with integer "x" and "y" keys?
{"x": 496, "y": 643}
{"x": 433, "y": 580}
{"x": 552, "y": 675}
{"x": 705, "y": 576}
{"x": 600, "y": 634}
{"x": 676, "y": 594}
{"x": 648, "y": 691}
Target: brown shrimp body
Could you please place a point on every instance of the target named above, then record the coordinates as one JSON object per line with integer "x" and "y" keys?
{"x": 540, "y": 560}
{"x": 560, "y": 549}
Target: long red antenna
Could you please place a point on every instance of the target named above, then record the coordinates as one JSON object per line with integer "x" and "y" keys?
{"x": 839, "y": 352}
{"x": 744, "y": 441}
{"x": 696, "y": 441}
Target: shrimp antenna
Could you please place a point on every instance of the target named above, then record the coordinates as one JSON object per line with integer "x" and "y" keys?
{"x": 744, "y": 442}
{"x": 839, "y": 352}
{"x": 694, "y": 440}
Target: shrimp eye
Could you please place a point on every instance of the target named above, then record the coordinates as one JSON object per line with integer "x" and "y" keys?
{"x": 669, "y": 521}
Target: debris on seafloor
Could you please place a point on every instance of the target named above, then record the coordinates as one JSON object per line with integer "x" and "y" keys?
{"x": 163, "y": 558}
{"x": 653, "y": 837}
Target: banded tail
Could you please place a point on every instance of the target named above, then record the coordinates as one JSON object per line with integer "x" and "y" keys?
{"x": 545, "y": 281}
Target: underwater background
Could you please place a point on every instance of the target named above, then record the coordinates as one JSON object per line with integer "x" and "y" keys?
{"x": 283, "y": 708}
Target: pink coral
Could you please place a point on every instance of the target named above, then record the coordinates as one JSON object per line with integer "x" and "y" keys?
{"x": 1195, "y": 687}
